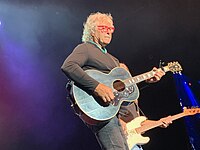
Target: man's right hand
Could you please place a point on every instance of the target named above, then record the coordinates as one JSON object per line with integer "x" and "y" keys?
{"x": 104, "y": 92}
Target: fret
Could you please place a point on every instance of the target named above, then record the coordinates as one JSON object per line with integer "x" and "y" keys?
{"x": 141, "y": 77}
{"x": 135, "y": 79}
{"x": 146, "y": 76}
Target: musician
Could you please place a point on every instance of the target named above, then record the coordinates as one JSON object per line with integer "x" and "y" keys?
{"x": 92, "y": 54}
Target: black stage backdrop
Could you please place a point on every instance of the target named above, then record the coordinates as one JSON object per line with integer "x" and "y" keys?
{"x": 37, "y": 35}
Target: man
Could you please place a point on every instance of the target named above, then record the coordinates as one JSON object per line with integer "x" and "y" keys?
{"x": 92, "y": 54}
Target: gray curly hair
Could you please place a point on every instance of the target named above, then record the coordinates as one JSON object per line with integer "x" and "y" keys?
{"x": 91, "y": 22}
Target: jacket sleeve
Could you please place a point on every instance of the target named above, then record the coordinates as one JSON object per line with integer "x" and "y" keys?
{"x": 72, "y": 67}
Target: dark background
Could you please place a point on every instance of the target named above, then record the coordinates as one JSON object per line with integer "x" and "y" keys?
{"x": 37, "y": 36}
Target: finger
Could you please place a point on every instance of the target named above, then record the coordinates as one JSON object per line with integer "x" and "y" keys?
{"x": 155, "y": 78}
{"x": 111, "y": 95}
{"x": 160, "y": 74}
{"x": 107, "y": 98}
{"x": 104, "y": 99}
{"x": 164, "y": 124}
{"x": 155, "y": 69}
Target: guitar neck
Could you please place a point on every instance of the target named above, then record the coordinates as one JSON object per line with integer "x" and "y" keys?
{"x": 155, "y": 124}
{"x": 144, "y": 76}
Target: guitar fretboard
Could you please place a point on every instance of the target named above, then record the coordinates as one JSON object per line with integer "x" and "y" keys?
{"x": 139, "y": 78}
{"x": 157, "y": 123}
{"x": 144, "y": 76}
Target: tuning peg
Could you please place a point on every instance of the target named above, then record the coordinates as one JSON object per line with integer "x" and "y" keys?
{"x": 195, "y": 106}
{"x": 184, "y": 108}
{"x": 161, "y": 64}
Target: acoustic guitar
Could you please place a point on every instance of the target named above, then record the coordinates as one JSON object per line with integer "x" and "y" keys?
{"x": 124, "y": 88}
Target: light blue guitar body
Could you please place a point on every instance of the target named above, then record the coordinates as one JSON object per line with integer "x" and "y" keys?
{"x": 125, "y": 93}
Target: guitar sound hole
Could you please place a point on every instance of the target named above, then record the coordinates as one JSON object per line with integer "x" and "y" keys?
{"x": 118, "y": 85}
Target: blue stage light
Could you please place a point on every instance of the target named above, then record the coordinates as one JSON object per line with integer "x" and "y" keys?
{"x": 188, "y": 97}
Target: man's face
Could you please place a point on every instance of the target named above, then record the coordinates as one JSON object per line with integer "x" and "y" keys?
{"x": 103, "y": 33}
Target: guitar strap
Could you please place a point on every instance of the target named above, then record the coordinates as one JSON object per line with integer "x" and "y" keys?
{"x": 137, "y": 107}
{"x": 140, "y": 111}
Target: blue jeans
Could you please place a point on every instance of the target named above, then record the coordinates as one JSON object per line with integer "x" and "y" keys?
{"x": 110, "y": 135}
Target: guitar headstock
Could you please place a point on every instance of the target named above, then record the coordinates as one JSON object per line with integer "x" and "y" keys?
{"x": 174, "y": 67}
{"x": 191, "y": 111}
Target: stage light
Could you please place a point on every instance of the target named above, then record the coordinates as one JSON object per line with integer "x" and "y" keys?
{"x": 188, "y": 97}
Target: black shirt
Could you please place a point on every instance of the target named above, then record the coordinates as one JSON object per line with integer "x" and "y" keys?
{"x": 89, "y": 56}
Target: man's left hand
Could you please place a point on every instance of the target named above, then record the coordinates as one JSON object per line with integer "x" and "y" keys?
{"x": 166, "y": 121}
{"x": 157, "y": 76}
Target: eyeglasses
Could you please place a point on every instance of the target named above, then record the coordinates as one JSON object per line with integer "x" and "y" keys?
{"x": 106, "y": 29}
